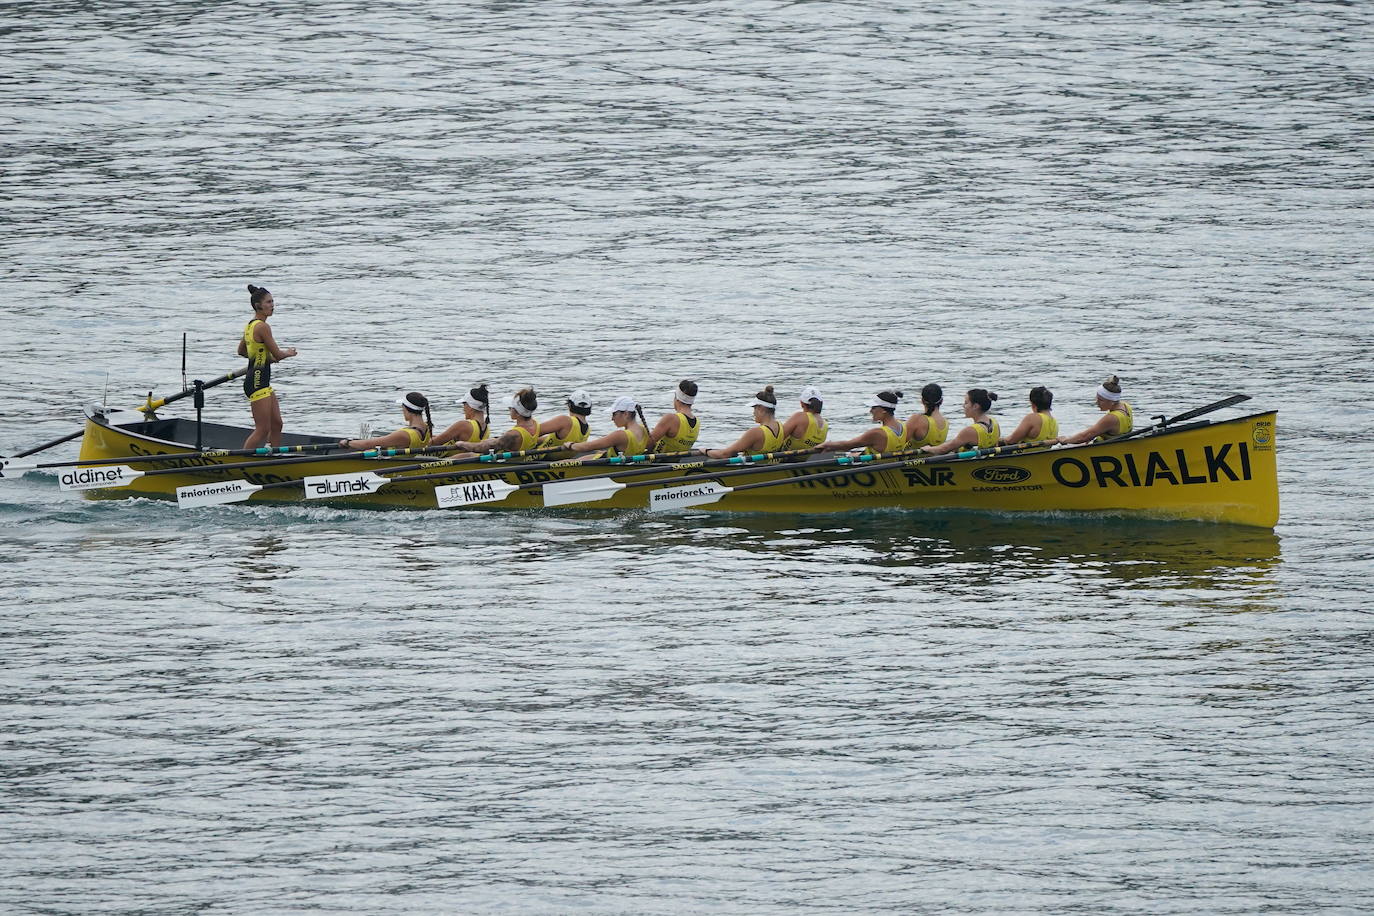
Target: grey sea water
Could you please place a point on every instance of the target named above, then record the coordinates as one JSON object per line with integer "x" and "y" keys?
{"x": 257, "y": 709}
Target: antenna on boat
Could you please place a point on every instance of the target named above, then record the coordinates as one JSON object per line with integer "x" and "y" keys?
{"x": 105, "y": 398}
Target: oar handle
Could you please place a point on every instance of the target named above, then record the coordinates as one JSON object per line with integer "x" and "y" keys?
{"x": 153, "y": 405}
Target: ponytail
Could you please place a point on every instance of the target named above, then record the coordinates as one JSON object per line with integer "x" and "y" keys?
{"x": 256, "y": 294}
{"x": 640, "y": 410}
{"x": 932, "y": 396}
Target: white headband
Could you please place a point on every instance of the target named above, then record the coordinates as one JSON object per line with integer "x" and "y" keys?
{"x": 879, "y": 401}
{"x": 472, "y": 402}
{"x": 406, "y": 403}
{"x": 684, "y": 397}
{"x": 1106, "y": 395}
{"x": 519, "y": 408}
{"x": 760, "y": 402}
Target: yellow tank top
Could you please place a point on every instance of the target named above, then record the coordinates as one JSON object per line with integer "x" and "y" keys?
{"x": 419, "y": 438}
{"x": 578, "y": 429}
{"x": 937, "y": 431}
{"x": 527, "y": 438}
{"x": 688, "y": 428}
{"x": 988, "y": 435}
{"x": 895, "y": 441}
{"x": 817, "y": 430}
{"x": 772, "y": 441}
{"x": 637, "y": 439}
{"x": 1125, "y": 419}
{"x": 1049, "y": 428}
{"x": 257, "y": 351}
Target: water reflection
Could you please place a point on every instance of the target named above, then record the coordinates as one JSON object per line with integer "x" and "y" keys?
{"x": 1125, "y": 550}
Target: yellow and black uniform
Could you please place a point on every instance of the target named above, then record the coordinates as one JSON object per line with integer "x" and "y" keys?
{"x": 1124, "y": 420}
{"x": 257, "y": 383}
{"x": 419, "y": 438}
{"x": 817, "y": 431}
{"x": 895, "y": 441}
{"x": 989, "y": 434}
{"x": 1049, "y": 427}
{"x": 577, "y": 432}
{"x": 772, "y": 440}
{"x": 937, "y": 431}
{"x": 527, "y": 438}
{"x": 636, "y": 442}
{"x": 688, "y": 428}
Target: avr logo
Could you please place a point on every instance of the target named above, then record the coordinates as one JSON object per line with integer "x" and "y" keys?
{"x": 1001, "y": 473}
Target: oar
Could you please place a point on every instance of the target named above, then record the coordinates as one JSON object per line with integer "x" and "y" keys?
{"x": 586, "y": 489}
{"x": 150, "y": 406}
{"x": 1181, "y": 418}
{"x": 357, "y": 483}
{"x": 594, "y": 489}
{"x": 702, "y": 489}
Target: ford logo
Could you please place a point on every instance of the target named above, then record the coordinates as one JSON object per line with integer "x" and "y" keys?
{"x": 1001, "y": 473}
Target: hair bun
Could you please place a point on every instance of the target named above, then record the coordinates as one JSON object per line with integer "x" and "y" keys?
{"x": 1112, "y": 384}
{"x": 992, "y": 395}
{"x": 252, "y": 289}
{"x": 898, "y": 393}
{"x": 768, "y": 388}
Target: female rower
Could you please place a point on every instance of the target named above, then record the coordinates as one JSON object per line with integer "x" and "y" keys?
{"x": 1117, "y": 419}
{"x": 929, "y": 427}
{"x": 524, "y": 434}
{"x": 806, "y": 428}
{"x": 570, "y": 427}
{"x": 677, "y": 431}
{"x": 476, "y": 419}
{"x": 983, "y": 432}
{"x": 1039, "y": 425}
{"x": 630, "y": 437}
{"x": 887, "y": 437}
{"x": 260, "y": 348}
{"x": 764, "y": 438}
{"x": 417, "y": 432}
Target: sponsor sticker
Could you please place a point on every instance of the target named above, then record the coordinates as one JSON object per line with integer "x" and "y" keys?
{"x": 1001, "y": 474}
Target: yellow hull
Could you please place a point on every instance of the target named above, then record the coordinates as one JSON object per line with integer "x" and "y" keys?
{"x": 1218, "y": 472}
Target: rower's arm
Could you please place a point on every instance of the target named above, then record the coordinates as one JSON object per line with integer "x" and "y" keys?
{"x": 453, "y": 433}
{"x": 873, "y": 439}
{"x": 617, "y": 438}
{"x": 748, "y": 443}
{"x": 968, "y": 436}
{"x": 1106, "y": 426}
{"x": 270, "y": 342}
{"x": 398, "y": 439}
{"x": 1022, "y": 431}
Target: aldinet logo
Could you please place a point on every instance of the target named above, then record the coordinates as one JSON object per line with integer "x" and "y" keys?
{"x": 1001, "y": 473}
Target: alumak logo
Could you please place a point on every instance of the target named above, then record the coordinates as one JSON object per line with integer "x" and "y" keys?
{"x": 1001, "y": 473}
{"x": 339, "y": 486}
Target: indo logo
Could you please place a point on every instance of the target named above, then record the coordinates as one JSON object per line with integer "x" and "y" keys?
{"x": 1001, "y": 473}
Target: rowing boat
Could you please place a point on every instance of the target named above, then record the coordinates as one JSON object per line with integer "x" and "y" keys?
{"x": 1217, "y": 471}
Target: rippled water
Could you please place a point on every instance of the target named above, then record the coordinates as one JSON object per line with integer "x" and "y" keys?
{"x": 268, "y": 709}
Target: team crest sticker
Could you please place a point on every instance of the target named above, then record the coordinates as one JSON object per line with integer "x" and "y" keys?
{"x": 1263, "y": 434}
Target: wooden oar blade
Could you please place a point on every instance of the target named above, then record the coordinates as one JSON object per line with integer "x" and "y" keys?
{"x": 98, "y": 478}
{"x": 699, "y": 494}
{"x": 467, "y": 494}
{"x": 362, "y": 483}
{"x": 588, "y": 490}
{"x": 215, "y": 494}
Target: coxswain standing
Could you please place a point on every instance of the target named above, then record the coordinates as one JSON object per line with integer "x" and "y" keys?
{"x": 260, "y": 348}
